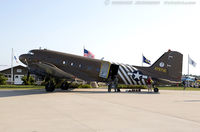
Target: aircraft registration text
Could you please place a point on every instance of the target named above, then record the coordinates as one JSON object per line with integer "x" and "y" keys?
{"x": 160, "y": 69}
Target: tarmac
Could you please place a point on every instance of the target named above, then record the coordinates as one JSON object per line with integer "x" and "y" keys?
{"x": 95, "y": 110}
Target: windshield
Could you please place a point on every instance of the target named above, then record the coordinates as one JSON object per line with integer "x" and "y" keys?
{"x": 30, "y": 53}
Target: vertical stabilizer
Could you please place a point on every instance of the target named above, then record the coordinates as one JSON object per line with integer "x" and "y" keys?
{"x": 167, "y": 68}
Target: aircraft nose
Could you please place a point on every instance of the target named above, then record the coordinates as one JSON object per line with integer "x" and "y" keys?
{"x": 23, "y": 58}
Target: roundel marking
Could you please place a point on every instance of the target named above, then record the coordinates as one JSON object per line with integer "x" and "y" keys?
{"x": 162, "y": 64}
{"x": 137, "y": 76}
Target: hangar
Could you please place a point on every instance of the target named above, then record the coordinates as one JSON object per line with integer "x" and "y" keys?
{"x": 18, "y": 72}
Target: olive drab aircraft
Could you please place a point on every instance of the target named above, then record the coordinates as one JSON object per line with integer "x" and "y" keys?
{"x": 52, "y": 64}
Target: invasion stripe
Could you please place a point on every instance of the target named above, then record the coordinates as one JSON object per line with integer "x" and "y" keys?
{"x": 135, "y": 69}
{"x": 128, "y": 66}
{"x": 143, "y": 81}
{"x": 139, "y": 83}
{"x": 120, "y": 74}
{"x": 124, "y": 73}
{"x": 128, "y": 70}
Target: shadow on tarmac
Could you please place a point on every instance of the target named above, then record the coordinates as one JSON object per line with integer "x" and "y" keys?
{"x": 11, "y": 93}
{"x": 105, "y": 92}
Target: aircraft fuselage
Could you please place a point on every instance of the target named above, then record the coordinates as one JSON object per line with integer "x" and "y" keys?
{"x": 167, "y": 69}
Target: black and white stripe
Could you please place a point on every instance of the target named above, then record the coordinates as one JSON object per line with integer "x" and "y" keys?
{"x": 127, "y": 79}
{"x": 121, "y": 68}
{"x": 128, "y": 71}
{"x": 121, "y": 75}
{"x": 133, "y": 69}
{"x": 142, "y": 82}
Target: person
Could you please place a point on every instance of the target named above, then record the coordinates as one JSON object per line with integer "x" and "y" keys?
{"x": 149, "y": 84}
{"x": 109, "y": 84}
{"x": 116, "y": 84}
{"x": 184, "y": 85}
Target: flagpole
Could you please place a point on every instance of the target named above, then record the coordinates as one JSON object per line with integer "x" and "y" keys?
{"x": 188, "y": 64}
{"x": 12, "y": 67}
{"x": 83, "y": 49}
{"x": 142, "y": 59}
{"x": 188, "y": 71}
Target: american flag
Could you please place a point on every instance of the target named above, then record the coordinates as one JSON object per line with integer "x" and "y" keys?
{"x": 16, "y": 59}
{"x": 88, "y": 54}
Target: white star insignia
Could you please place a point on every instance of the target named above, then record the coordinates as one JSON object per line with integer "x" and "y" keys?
{"x": 137, "y": 75}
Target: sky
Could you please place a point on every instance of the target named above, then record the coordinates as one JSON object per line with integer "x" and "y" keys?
{"x": 119, "y": 32}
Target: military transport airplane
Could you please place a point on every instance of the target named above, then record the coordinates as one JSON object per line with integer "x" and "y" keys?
{"x": 52, "y": 64}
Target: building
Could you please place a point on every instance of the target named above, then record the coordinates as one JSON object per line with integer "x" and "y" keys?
{"x": 18, "y": 72}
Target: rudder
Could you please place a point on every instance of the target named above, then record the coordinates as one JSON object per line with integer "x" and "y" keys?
{"x": 168, "y": 67}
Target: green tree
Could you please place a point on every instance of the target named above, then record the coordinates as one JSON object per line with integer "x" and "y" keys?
{"x": 31, "y": 80}
{"x": 3, "y": 79}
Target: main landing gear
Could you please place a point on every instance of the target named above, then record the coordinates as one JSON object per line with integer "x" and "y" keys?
{"x": 65, "y": 85}
{"x": 52, "y": 83}
{"x": 50, "y": 86}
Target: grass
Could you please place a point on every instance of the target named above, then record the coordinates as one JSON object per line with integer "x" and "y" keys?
{"x": 20, "y": 87}
{"x": 179, "y": 88}
{"x": 41, "y": 87}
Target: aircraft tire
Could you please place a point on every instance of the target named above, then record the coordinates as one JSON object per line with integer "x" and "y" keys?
{"x": 49, "y": 87}
{"x": 156, "y": 90}
{"x": 65, "y": 86}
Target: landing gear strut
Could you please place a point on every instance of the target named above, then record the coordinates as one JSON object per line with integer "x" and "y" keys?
{"x": 65, "y": 86}
{"x": 50, "y": 87}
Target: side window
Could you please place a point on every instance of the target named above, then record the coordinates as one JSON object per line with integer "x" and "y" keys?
{"x": 89, "y": 68}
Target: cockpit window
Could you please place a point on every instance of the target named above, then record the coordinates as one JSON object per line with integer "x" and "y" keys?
{"x": 30, "y": 53}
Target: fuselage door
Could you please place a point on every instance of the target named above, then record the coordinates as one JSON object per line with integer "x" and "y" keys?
{"x": 105, "y": 67}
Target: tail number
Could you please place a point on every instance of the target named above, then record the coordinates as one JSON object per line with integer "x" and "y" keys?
{"x": 160, "y": 69}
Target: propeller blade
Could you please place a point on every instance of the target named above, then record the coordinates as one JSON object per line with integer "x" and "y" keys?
{"x": 28, "y": 75}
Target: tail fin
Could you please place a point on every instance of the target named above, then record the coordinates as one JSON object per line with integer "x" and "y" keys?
{"x": 167, "y": 68}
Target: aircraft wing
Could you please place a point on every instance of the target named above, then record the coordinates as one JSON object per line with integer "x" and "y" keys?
{"x": 43, "y": 69}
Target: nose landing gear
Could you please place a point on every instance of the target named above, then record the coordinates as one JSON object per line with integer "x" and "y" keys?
{"x": 50, "y": 87}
